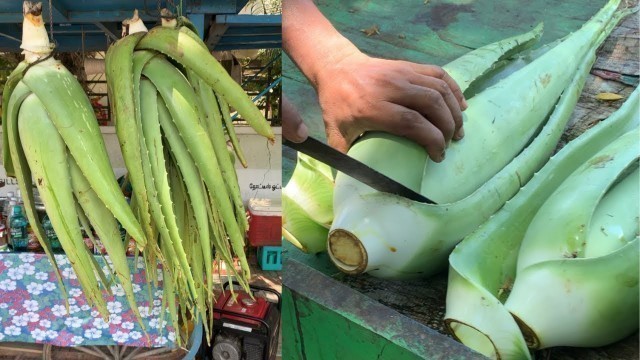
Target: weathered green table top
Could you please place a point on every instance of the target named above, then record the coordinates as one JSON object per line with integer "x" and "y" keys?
{"x": 432, "y": 32}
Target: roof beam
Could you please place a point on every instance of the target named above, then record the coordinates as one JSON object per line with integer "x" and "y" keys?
{"x": 198, "y": 21}
{"x": 58, "y": 10}
{"x": 249, "y": 20}
{"x": 93, "y": 42}
{"x": 213, "y": 7}
{"x": 10, "y": 37}
{"x": 82, "y": 17}
{"x": 109, "y": 29}
{"x": 107, "y": 16}
{"x": 258, "y": 30}
{"x": 240, "y": 4}
{"x": 226, "y": 40}
{"x": 271, "y": 45}
{"x": 62, "y": 14}
{"x": 9, "y": 32}
{"x": 216, "y": 31}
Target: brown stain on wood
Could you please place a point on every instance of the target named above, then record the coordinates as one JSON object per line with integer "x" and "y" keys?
{"x": 440, "y": 16}
{"x": 371, "y": 31}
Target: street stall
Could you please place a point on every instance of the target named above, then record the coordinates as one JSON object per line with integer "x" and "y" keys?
{"x": 118, "y": 237}
{"x": 355, "y": 284}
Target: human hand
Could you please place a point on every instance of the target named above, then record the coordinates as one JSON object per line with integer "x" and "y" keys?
{"x": 293, "y": 128}
{"x": 358, "y": 93}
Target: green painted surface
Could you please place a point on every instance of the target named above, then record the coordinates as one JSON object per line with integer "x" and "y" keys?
{"x": 440, "y": 31}
{"x": 325, "y": 319}
{"x": 435, "y": 33}
{"x": 319, "y": 262}
{"x": 327, "y": 335}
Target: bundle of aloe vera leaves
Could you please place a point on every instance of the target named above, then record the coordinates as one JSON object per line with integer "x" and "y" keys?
{"x": 170, "y": 101}
{"x": 488, "y": 190}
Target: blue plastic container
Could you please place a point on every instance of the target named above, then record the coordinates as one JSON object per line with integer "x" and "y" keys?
{"x": 270, "y": 257}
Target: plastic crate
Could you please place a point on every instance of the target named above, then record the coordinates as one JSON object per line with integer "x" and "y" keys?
{"x": 265, "y": 222}
{"x": 270, "y": 257}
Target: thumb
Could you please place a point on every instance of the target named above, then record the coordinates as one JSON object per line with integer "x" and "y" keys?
{"x": 293, "y": 128}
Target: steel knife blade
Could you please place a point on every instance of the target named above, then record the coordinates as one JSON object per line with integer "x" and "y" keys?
{"x": 354, "y": 168}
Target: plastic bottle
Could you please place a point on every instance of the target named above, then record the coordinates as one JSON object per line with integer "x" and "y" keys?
{"x": 33, "y": 244}
{"x": 11, "y": 201}
{"x": 6, "y": 210}
{"x": 51, "y": 234}
{"x": 18, "y": 200}
{"x": 19, "y": 237}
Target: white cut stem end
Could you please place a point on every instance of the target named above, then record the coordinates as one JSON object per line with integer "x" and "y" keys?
{"x": 167, "y": 18}
{"x": 347, "y": 252}
{"x": 472, "y": 337}
{"x": 35, "y": 41}
{"x": 133, "y": 25}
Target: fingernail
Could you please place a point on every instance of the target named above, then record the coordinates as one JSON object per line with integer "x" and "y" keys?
{"x": 464, "y": 104}
{"x": 460, "y": 134}
{"x": 302, "y": 132}
{"x": 442, "y": 156}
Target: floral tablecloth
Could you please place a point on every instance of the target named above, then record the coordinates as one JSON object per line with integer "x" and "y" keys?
{"x": 32, "y": 307}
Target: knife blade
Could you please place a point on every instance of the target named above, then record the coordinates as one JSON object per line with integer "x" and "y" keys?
{"x": 354, "y": 168}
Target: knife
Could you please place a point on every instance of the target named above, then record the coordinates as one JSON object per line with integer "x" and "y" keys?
{"x": 354, "y": 168}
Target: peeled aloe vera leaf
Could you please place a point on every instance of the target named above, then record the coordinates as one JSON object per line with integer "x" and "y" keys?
{"x": 483, "y": 266}
{"x": 307, "y": 204}
{"x": 562, "y": 298}
{"x": 392, "y": 237}
{"x": 307, "y": 199}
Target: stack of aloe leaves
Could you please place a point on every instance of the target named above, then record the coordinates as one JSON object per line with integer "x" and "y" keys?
{"x": 170, "y": 101}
